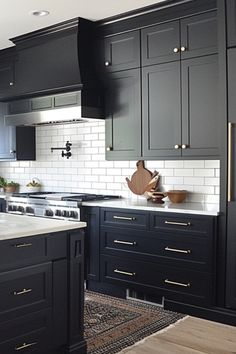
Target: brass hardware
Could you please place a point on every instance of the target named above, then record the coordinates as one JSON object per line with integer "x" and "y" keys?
{"x": 183, "y": 49}
{"x": 177, "y": 147}
{"x": 167, "y": 281}
{"x": 107, "y": 63}
{"x": 12, "y": 151}
{"x": 25, "y": 345}
{"x": 230, "y": 126}
{"x": 176, "y": 50}
{"x": 124, "y": 273}
{"x": 20, "y": 245}
{"x": 109, "y": 148}
{"x": 184, "y": 146}
{"x": 11, "y": 83}
{"x": 177, "y": 250}
{"x": 124, "y": 218}
{"x": 178, "y": 223}
{"x": 22, "y": 292}
{"x": 134, "y": 243}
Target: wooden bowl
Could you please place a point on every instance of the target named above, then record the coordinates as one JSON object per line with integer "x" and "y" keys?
{"x": 177, "y": 196}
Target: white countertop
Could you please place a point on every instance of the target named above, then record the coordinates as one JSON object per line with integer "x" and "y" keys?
{"x": 14, "y": 226}
{"x": 143, "y": 204}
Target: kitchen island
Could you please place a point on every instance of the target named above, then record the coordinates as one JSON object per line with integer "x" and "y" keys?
{"x": 41, "y": 285}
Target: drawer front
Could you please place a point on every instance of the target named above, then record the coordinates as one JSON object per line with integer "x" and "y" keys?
{"x": 124, "y": 218}
{"x": 165, "y": 247}
{"x": 181, "y": 222}
{"x": 173, "y": 283}
{"x": 36, "y": 321}
{"x": 17, "y": 251}
{"x": 25, "y": 290}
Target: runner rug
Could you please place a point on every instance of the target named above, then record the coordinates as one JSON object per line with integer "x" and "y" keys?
{"x": 113, "y": 324}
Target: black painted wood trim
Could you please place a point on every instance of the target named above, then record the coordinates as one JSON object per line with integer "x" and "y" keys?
{"x": 154, "y": 14}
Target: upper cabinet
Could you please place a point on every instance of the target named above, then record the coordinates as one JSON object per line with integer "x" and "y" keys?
{"x": 231, "y": 22}
{"x": 7, "y": 71}
{"x": 179, "y": 77}
{"x": 16, "y": 143}
{"x": 122, "y": 51}
{"x": 191, "y": 37}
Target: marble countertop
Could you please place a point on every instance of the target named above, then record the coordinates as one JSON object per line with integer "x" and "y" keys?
{"x": 14, "y": 226}
{"x": 143, "y": 204}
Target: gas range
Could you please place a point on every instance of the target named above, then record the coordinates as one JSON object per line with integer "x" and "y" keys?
{"x": 51, "y": 205}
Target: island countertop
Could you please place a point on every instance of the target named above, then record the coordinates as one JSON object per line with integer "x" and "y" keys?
{"x": 14, "y": 226}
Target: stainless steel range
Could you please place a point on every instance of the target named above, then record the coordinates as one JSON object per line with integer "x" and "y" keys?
{"x": 51, "y": 205}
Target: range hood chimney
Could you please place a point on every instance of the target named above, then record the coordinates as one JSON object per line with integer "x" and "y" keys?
{"x": 63, "y": 54}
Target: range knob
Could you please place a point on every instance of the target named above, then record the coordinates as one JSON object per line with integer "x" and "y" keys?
{"x": 48, "y": 212}
{"x": 73, "y": 214}
{"x": 21, "y": 209}
{"x": 29, "y": 210}
{"x": 58, "y": 212}
{"x": 10, "y": 207}
{"x": 65, "y": 214}
{"x": 14, "y": 208}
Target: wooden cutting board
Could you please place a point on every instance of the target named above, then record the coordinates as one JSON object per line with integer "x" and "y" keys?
{"x": 140, "y": 179}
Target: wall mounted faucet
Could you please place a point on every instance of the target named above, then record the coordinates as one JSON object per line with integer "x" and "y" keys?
{"x": 67, "y": 148}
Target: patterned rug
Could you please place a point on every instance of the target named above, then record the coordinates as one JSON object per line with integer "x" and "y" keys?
{"x": 113, "y": 324}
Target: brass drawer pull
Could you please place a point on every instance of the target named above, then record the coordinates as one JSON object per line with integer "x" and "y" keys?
{"x": 177, "y": 250}
{"x": 178, "y": 223}
{"x": 20, "y": 245}
{"x": 124, "y": 218}
{"x": 134, "y": 243}
{"x": 23, "y": 291}
{"x": 124, "y": 273}
{"x": 25, "y": 345}
{"x": 167, "y": 281}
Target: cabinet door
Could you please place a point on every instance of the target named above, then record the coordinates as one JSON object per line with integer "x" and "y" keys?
{"x": 231, "y": 22}
{"x": 161, "y": 110}
{"x": 7, "y": 137}
{"x": 199, "y": 35}
{"x": 160, "y": 43}
{"x": 6, "y": 75}
{"x": 231, "y": 227}
{"x": 122, "y": 51}
{"x": 123, "y": 115}
{"x": 199, "y": 106}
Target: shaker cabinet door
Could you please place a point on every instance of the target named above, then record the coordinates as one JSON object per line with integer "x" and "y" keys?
{"x": 199, "y": 106}
{"x": 231, "y": 22}
{"x": 161, "y": 110}
{"x": 7, "y": 137}
{"x": 123, "y": 115}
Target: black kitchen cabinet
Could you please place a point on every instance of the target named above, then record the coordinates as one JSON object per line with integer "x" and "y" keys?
{"x": 172, "y": 101}
{"x": 42, "y": 293}
{"x": 190, "y": 37}
{"x": 123, "y": 115}
{"x": 122, "y": 51}
{"x": 161, "y": 110}
{"x": 16, "y": 143}
{"x": 231, "y": 23}
{"x": 178, "y": 248}
{"x": 7, "y": 70}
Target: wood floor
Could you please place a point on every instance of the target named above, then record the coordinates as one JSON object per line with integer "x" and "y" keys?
{"x": 189, "y": 336}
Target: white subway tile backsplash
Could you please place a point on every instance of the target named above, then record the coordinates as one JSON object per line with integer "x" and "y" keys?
{"x": 88, "y": 171}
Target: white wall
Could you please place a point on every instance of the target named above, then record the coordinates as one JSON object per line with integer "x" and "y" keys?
{"x": 88, "y": 171}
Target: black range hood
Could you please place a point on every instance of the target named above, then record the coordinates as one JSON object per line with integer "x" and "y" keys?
{"x": 57, "y": 59}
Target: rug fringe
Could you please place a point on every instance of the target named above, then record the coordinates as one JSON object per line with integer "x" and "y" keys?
{"x": 152, "y": 335}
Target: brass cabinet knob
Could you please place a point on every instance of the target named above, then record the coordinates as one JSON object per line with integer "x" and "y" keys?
{"x": 183, "y": 49}
{"x": 107, "y": 63}
{"x": 176, "y": 50}
{"x": 177, "y": 147}
{"x": 109, "y": 148}
{"x": 184, "y": 146}
{"x": 11, "y": 83}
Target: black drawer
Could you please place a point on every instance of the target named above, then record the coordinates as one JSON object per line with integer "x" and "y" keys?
{"x": 124, "y": 218}
{"x": 166, "y": 247}
{"x": 32, "y": 249}
{"x": 181, "y": 222}
{"x": 34, "y": 341}
{"x": 173, "y": 283}
{"x": 25, "y": 290}
{"x": 20, "y": 326}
